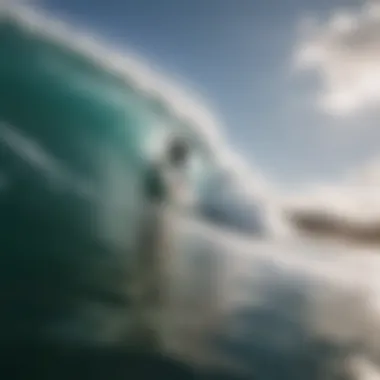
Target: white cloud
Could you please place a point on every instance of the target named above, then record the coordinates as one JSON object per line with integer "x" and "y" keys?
{"x": 356, "y": 196}
{"x": 344, "y": 52}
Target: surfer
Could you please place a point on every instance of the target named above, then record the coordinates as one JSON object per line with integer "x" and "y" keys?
{"x": 164, "y": 183}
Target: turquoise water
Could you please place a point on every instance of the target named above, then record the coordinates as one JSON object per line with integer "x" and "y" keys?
{"x": 76, "y": 140}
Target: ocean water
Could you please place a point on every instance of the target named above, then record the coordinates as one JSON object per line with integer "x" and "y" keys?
{"x": 245, "y": 298}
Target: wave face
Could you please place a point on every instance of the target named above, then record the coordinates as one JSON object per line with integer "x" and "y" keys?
{"x": 79, "y": 127}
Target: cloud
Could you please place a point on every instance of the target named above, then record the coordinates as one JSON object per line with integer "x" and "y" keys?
{"x": 344, "y": 52}
{"x": 348, "y": 207}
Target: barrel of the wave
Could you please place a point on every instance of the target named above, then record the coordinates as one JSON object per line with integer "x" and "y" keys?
{"x": 71, "y": 205}
{"x": 81, "y": 204}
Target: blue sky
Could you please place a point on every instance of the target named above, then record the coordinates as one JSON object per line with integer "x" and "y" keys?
{"x": 241, "y": 55}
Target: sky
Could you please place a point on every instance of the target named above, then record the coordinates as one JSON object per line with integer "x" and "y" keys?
{"x": 296, "y": 83}
{"x": 244, "y": 56}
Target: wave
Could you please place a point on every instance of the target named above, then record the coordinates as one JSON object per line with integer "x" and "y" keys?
{"x": 265, "y": 304}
